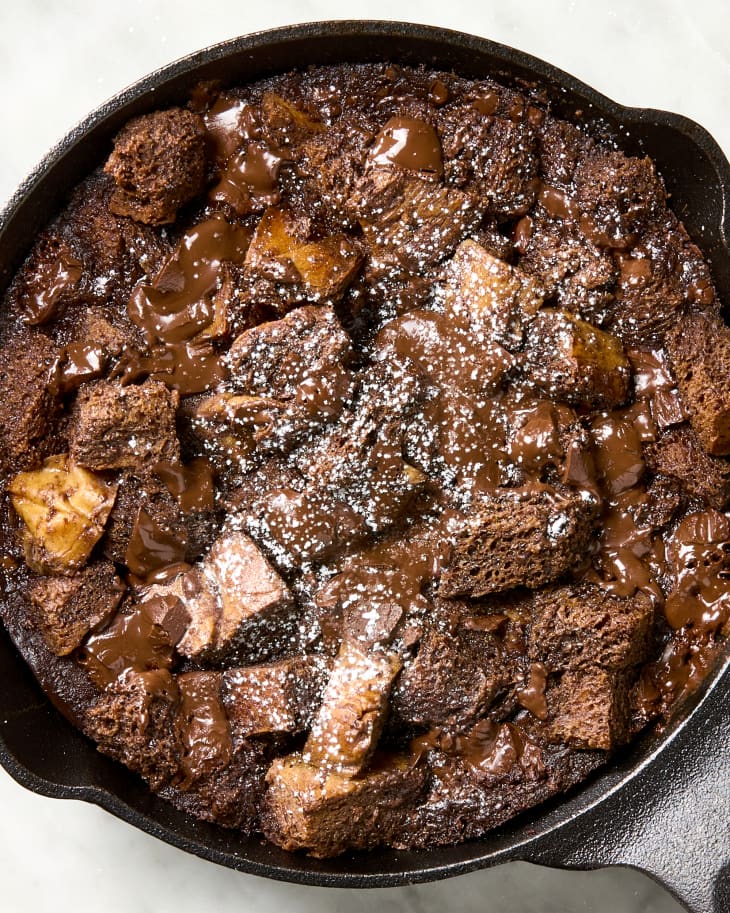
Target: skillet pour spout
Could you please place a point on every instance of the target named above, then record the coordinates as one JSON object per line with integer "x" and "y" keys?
{"x": 663, "y": 805}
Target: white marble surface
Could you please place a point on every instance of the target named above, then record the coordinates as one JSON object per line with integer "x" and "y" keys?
{"x": 60, "y": 59}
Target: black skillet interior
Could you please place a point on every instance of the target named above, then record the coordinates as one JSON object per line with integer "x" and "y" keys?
{"x": 663, "y": 805}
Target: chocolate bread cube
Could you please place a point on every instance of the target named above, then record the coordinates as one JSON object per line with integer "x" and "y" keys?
{"x": 497, "y": 299}
{"x": 309, "y": 525}
{"x": 28, "y": 405}
{"x": 67, "y": 608}
{"x": 275, "y": 358}
{"x": 512, "y": 540}
{"x": 589, "y": 708}
{"x": 573, "y": 361}
{"x": 333, "y": 160}
{"x": 115, "y": 252}
{"x": 325, "y": 812}
{"x": 194, "y": 529}
{"x": 452, "y": 680}
{"x": 275, "y": 698}
{"x": 699, "y": 351}
{"x": 230, "y": 796}
{"x": 347, "y": 727}
{"x": 284, "y": 251}
{"x": 158, "y": 164}
{"x": 239, "y": 606}
{"x": 494, "y": 156}
{"x": 289, "y": 377}
{"x": 561, "y": 146}
{"x": 620, "y": 194}
{"x": 287, "y": 122}
{"x": 657, "y": 279}
{"x": 115, "y": 427}
{"x": 205, "y": 733}
{"x": 365, "y": 460}
{"x": 679, "y": 454}
{"x": 567, "y": 265}
{"x": 581, "y": 625}
{"x": 134, "y": 721}
{"x": 410, "y": 222}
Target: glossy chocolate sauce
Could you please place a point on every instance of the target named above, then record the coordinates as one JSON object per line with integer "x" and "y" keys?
{"x": 410, "y": 143}
{"x": 249, "y": 180}
{"x": 179, "y": 305}
{"x": 532, "y": 696}
{"x": 154, "y": 553}
{"x": 206, "y": 734}
{"x": 192, "y": 485}
{"x": 78, "y": 364}
{"x": 229, "y": 123}
{"x": 130, "y": 642}
{"x": 52, "y": 281}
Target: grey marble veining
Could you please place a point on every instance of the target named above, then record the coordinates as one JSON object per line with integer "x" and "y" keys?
{"x": 59, "y": 60}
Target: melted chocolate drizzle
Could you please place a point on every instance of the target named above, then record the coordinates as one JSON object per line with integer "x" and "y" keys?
{"x": 410, "y": 143}
{"x": 51, "y": 282}
{"x": 191, "y": 485}
{"x": 153, "y": 553}
{"x": 179, "y": 304}
{"x": 130, "y": 642}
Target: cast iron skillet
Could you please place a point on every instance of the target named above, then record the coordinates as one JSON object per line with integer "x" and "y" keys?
{"x": 663, "y": 805}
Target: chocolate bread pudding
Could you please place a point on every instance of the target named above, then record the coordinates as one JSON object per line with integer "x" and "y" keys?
{"x": 364, "y": 456}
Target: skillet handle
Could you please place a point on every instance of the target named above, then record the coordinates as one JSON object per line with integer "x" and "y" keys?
{"x": 671, "y": 821}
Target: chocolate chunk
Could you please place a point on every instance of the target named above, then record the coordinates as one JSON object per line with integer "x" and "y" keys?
{"x": 205, "y": 733}
{"x": 188, "y": 298}
{"x": 49, "y": 280}
{"x": 131, "y": 642}
{"x": 698, "y": 557}
{"x": 409, "y": 143}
